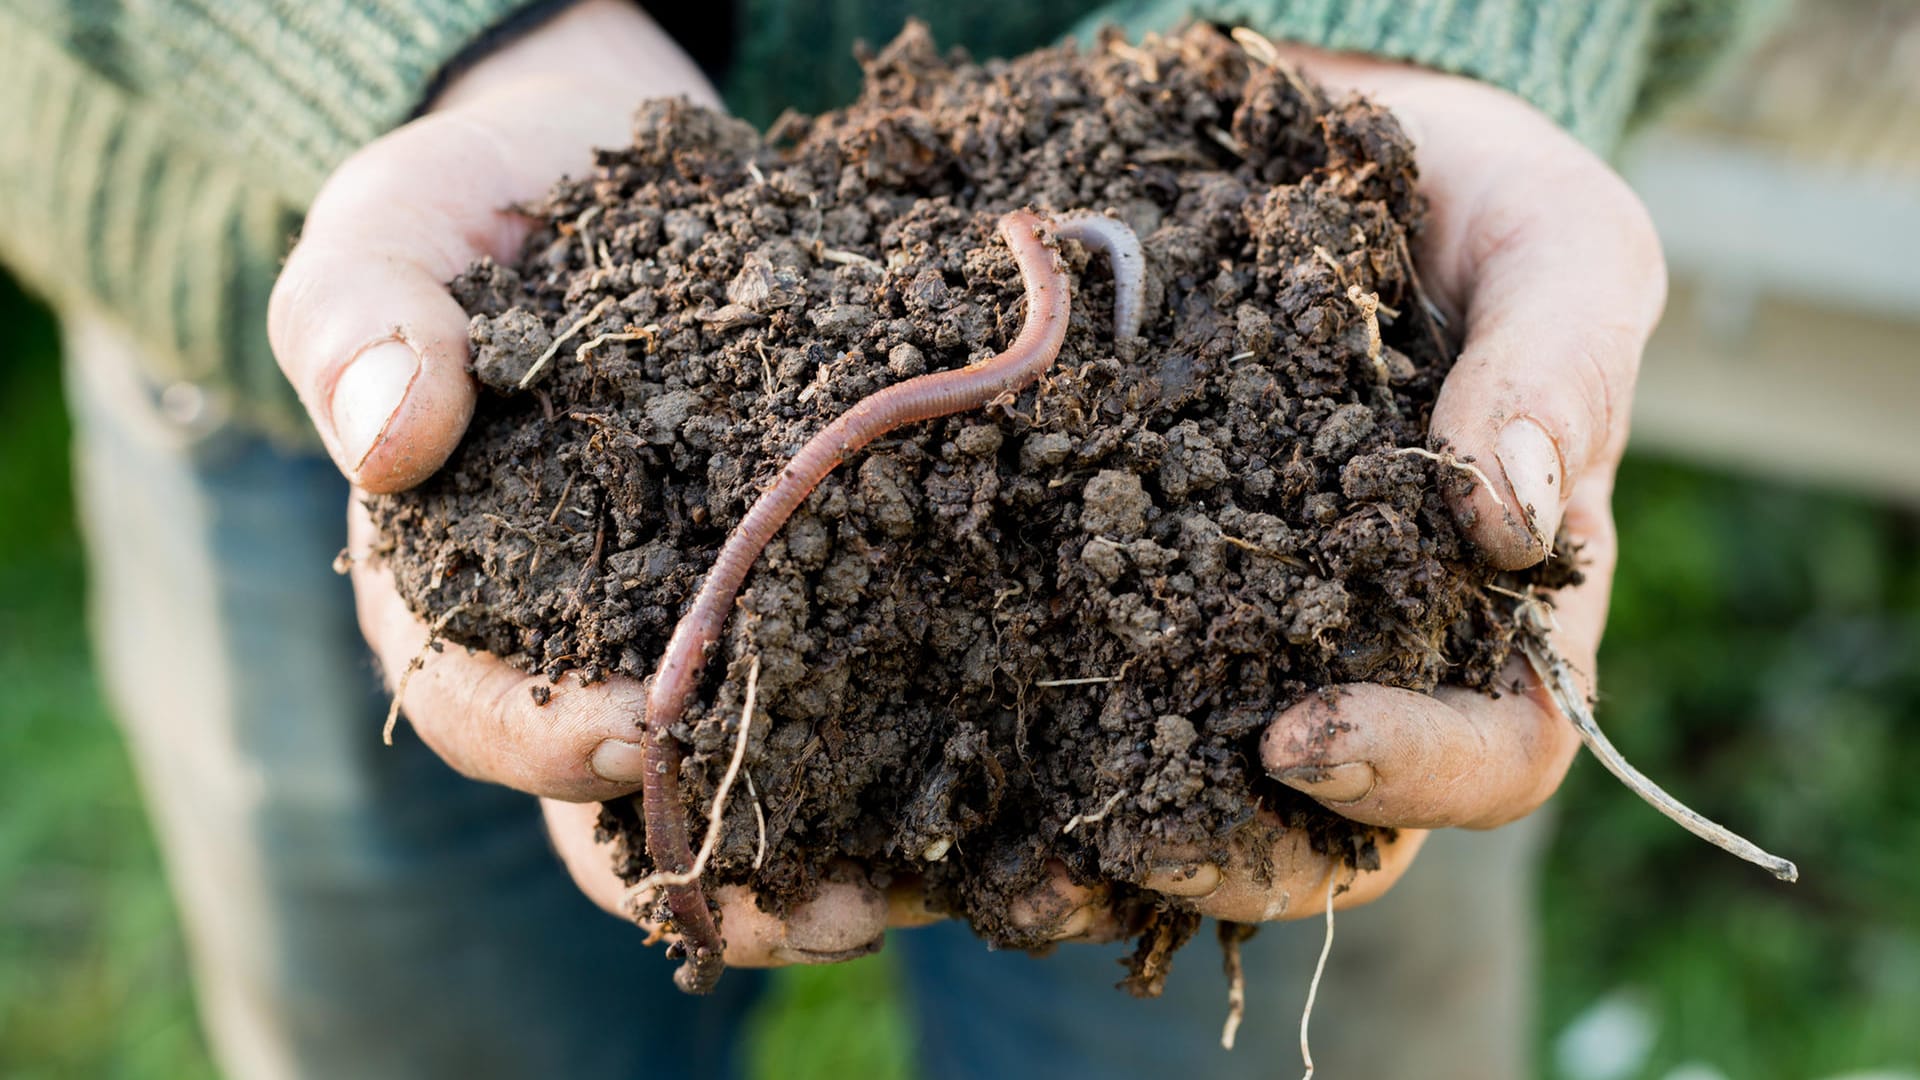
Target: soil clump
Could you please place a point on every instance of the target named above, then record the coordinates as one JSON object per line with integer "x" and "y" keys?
{"x": 1083, "y": 602}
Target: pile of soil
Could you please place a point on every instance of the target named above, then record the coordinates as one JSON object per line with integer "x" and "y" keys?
{"x": 1094, "y": 595}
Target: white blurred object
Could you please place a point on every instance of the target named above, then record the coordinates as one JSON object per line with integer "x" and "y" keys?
{"x": 1609, "y": 1041}
{"x": 1788, "y": 200}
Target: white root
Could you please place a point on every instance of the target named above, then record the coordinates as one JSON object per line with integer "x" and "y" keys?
{"x": 759, "y": 823}
{"x": 1230, "y": 940}
{"x": 1087, "y": 819}
{"x": 1089, "y": 680}
{"x": 1558, "y": 676}
{"x": 1485, "y": 481}
{"x": 565, "y": 336}
{"x": 406, "y": 674}
{"x": 1319, "y": 971}
{"x": 1262, "y": 49}
{"x": 645, "y": 333}
{"x": 640, "y": 895}
{"x": 850, "y": 258}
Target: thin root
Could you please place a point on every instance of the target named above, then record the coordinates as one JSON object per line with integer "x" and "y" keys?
{"x": 1099, "y": 815}
{"x": 851, "y": 258}
{"x": 759, "y": 822}
{"x": 1262, "y": 49}
{"x": 1369, "y": 305}
{"x": 641, "y": 894}
{"x": 406, "y": 674}
{"x": 565, "y": 336}
{"x": 1231, "y": 935}
{"x": 1485, "y": 481}
{"x": 644, "y": 333}
{"x": 1089, "y": 680}
{"x": 1558, "y": 675}
{"x": 1319, "y": 971}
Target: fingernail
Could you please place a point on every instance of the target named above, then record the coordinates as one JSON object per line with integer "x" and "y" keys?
{"x": 1345, "y": 783}
{"x": 822, "y": 933}
{"x": 1190, "y": 880}
{"x": 618, "y": 761}
{"x": 1532, "y": 464}
{"x": 790, "y": 954}
{"x": 367, "y": 394}
{"x": 1077, "y": 922}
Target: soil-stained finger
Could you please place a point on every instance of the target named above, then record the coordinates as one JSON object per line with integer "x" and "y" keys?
{"x": 487, "y": 719}
{"x": 1060, "y": 910}
{"x": 847, "y": 920}
{"x": 1456, "y": 757}
{"x": 1286, "y": 879}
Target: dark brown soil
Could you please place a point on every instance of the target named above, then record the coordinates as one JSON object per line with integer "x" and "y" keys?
{"x": 1092, "y": 596}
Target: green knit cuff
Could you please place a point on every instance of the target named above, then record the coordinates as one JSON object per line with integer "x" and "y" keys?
{"x": 294, "y": 86}
{"x": 1582, "y": 63}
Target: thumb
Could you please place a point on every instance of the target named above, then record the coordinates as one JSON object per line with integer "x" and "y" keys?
{"x": 1564, "y": 283}
{"x": 361, "y": 319}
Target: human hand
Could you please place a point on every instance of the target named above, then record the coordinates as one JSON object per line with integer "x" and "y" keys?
{"x": 365, "y": 329}
{"x": 1551, "y": 265}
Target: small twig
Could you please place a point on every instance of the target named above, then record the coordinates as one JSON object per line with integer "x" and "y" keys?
{"x": 1262, "y": 49}
{"x": 1219, "y": 134}
{"x": 759, "y": 822}
{"x": 1087, "y": 681}
{"x": 565, "y": 336}
{"x": 1319, "y": 971}
{"x": 1557, "y": 674}
{"x": 586, "y": 237}
{"x": 851, "y": 258}
{"x": 644, "y": 333}
{"x": 406, "y": 674}
{"x": 1248, "y": 545}
{"x": 560, "y": 503}
{"x": 1087, "y": 819}
{"x": 642, "y": 892}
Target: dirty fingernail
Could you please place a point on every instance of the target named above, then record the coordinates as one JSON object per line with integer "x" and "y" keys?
{"x": 1345, "y": 783}
{"x": 618, "y": 761}
{"x": 1077, "y": 922}
{"x": 368, "y": 393}
{"x": 789, "y": 954}
{"x": 1532, "y": 464}
{"x": 1190, "y": 880}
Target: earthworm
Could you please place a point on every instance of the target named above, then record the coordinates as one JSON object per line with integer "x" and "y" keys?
{"x": 923, "y": 398}
{"x": 1111, "y": 238}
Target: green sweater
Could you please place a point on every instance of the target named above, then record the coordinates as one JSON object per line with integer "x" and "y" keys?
{"x": 155, "y": 158}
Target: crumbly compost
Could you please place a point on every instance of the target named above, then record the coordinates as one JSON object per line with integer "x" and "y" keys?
{"x": 1084, "y": 601}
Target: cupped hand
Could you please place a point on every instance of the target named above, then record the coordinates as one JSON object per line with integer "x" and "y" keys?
{"x": 1546, "y": 260}
{"x": 366, "y": 331}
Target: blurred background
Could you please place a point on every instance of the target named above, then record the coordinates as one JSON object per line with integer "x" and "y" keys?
{"x": 1763, "y": 657}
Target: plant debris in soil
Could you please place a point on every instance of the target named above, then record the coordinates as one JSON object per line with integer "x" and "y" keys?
{"x": 1080, "y": 605}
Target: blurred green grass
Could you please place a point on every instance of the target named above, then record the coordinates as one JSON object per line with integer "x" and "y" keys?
{"x": 1764, "y": 659}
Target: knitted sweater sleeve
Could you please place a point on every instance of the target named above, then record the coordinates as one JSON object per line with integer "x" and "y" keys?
{"x": 1595, "y": 66}
{"x": 288, "y": 86}
{"x": 156, "y": 156}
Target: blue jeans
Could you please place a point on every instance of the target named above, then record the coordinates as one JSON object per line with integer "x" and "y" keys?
{"x": 361, "y": 911}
